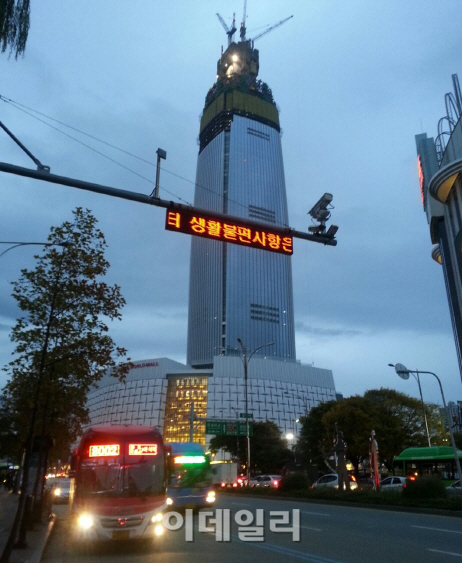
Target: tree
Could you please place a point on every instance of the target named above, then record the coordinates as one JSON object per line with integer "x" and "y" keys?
{"x": 268, "y": 449}
{"x": 62, "y": 345}
{"x": 399, "y": 423}
{"x": 14, "y": 25}
{"x": 313, "y": 444}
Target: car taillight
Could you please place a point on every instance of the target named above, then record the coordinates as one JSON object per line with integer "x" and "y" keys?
{"x": 223, "y": 484}
{"x": 353, "y": 478}
{"x": 276, "y": 483}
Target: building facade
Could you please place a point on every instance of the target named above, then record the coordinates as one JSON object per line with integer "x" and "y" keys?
{"x": 440, "y": 174}
{"x": 241, "y": 313}
{"x": 178, "y": 399}
{"x": 238, "y": 292}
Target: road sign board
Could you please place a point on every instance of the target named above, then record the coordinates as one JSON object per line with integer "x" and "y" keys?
{"x": 228, "y": 428}
{"x": 243, "y": 415}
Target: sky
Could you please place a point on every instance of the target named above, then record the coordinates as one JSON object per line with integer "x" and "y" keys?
{"x": 354, "y": 81}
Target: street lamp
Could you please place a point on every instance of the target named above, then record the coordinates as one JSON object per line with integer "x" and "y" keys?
{"x": 403, "y": 372}
{"x": 246, "y": 361}
{"x": 16, "y": 244}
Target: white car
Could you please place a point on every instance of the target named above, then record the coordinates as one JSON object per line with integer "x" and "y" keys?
{"x": 331, "y": 480}
{"x": 393, "y": 483}
{"x": 271, "y": 481}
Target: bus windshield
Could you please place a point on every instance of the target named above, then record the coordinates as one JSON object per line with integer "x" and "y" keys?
{"x": 191, "y": 475}
{"x": 121, "y": 476}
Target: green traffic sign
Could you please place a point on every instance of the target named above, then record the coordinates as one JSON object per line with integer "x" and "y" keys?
{"x": 243, "y": 415}
{"x": 227, "y": 428}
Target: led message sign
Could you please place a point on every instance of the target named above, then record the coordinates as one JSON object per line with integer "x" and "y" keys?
{"x": 207, "y": 226}
{"x": 108, "y": 450}
{"x": 181, "y": 459}
{"x": 142, "y": 449}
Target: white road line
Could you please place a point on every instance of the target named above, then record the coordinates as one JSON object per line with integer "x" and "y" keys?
{"x": 314, "y": 513}
{"x": 310, "y": 528}
{"x": 445, "y": 552}
{"x": 437, "y": 529}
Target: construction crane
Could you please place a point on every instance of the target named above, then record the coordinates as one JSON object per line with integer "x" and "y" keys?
{"x": 243, "y": 28}
{"x": 270, "y": 28}
{"x": 230, "y": 31}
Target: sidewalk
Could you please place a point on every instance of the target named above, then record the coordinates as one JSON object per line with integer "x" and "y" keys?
{"x": 36, "y": 538}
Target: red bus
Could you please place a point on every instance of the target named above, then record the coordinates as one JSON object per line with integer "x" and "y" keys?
{"x": 120, "y": 478}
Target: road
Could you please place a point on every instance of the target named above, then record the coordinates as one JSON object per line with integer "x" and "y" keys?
{"x": 328, "y": 534}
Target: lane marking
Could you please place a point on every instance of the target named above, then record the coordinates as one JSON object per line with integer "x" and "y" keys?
{"x": 311, "y": 558}
{"x": 437, "y": 529}
{"x": 445, "y": 552}
{"x": 310, "y": 528}
{"x": 314, "y": 513}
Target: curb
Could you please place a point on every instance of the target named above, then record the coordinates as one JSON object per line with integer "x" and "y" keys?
{"x": 39, "y": 550}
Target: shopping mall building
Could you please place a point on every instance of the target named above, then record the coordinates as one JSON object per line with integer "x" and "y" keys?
{"x": 440, "y": 173}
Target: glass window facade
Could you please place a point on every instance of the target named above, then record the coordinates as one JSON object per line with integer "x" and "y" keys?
{"x": 181, "y": 392}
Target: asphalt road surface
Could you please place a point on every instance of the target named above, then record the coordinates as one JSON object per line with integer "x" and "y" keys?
{"x": 328, "y": 534}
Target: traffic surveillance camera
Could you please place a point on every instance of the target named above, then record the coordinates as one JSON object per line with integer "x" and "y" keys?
{"x": 319, "y": 211}
{"x": 331, "y": 231}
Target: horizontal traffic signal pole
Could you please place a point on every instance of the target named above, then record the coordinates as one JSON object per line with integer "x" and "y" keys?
{"x": 142, "y": 198}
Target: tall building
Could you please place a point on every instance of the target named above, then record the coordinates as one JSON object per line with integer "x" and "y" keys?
{"x": 440, "y": 173}
{"x": 238, "y": 292}
{"x": 235, "y": 292}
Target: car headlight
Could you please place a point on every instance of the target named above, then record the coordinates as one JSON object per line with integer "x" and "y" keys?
{"x": 169, "y": 501}
{"x": 57, "y": 492}
{"x": 85, "y": 521}
{"x": 210, "y": 497}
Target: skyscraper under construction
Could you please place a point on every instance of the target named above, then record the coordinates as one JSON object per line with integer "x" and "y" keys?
{"x": 238, "y": 292}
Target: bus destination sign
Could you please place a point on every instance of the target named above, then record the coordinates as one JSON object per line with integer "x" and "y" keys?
{"x": 142, "y": 449}
{"x": 209, "y": 227}
{"x": 107, "y": 450}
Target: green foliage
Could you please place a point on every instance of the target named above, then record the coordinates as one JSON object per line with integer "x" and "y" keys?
{"x": 427, "y": 487}
{"x": 269, "y": 452}
{"x": 62, "y": 345}
{"x": 396, "y": 418}
{"x": 294, "y": 482}
{"x": 14, "y": 25}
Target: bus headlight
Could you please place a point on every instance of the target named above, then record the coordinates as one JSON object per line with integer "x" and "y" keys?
{"x": 157, "y": 517}
{"x": 210, "y": 497}
{"x": 85, "y": 521}
{"x": 169, "y": 501}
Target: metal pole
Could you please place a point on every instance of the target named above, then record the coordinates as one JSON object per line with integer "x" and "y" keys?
{"x": 451, "y": 434}
{"x": 423, "y": 409}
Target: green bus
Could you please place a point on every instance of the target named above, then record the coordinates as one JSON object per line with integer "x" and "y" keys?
{"x": 435, "y": 460}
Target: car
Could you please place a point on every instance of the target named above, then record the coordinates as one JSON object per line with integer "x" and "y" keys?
{"x": 331, "y": 480}
{"x": 393, "y": 482}
{"x": 455, "y": 488}
{"x": 271, "y": 481}
{"x": 60, "y": 490}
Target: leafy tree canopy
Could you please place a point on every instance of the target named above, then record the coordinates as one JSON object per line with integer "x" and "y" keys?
{"x": 396, "y": 418}
{"x": 268, "y": 449}
{"x": 62, "y": 342}
{"x": 14, "y": 25}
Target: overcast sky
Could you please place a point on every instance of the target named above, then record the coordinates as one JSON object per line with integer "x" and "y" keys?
{"x": 354, "y": 82}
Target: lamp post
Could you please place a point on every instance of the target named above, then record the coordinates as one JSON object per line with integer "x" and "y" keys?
{"x": 245, "y": 360}
{"x": 417, "y": 378}
{"x": 16, "y": 244}
{"x": 403, "y": 372}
